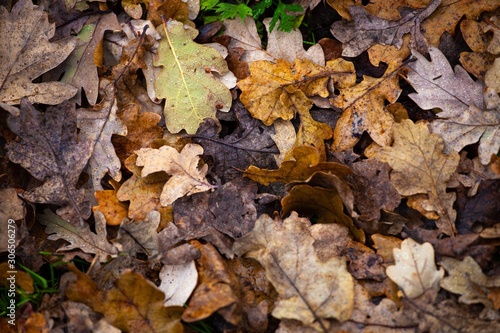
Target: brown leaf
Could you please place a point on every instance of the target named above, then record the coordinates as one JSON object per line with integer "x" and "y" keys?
{"x": 80, "y": 238}
{"x": 27, "y": 53}
{"x": 113, "y": 210}
{"x": 134, "y": 305}
{"x": 53, "y": 153}
{"x": 310, "y": 290}
{"x": 11, "y": 207}
{"x": 420, "y": 171}
{"x": 366, "y": 30}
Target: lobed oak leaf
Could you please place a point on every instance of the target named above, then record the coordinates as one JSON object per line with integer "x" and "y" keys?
{"x": 186, "y": 179}
{"x": 144, "y": 234}
{"x": 415, "y": 270}
{"x": 98, "y": 126}
{"x": 26, "y": 53}
{"x": 80, "y": 68}
{"x": 133, "y": 305}
{"x": 366, "y": 29}
{"x": 381, "y": 8}
{"x": 421, "y": 170}
{"x": 307, "y": 162}
{"x": 80, "y": 237}
{"x": 186, "y": 81}
{"x": 310, "y": 290}
{"x": 462, "y": 120}
{"x": 364, "y": 107}
{"x": 466, "y": 278}
{"x": 51, "y": 151}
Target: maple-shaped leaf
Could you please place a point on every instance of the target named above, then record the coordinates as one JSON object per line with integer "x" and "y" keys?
{"x": 186, "y": 81}
{"x": 464, "y": 119}
{"x": 415, "y": 270}
{"x": 366, "y": 29}
{"x": 421, "y": 170}
{"x": 309, "y": 289}
{"x": 26, "y": 53}
{"x": 186, "y": 178}
{"x": 307, "y": 161}
{"x": 134, "y": 304}
{"x": 466, "y": 278}
{"x": 364, "y": 106}
{"x": 80, "y": 237}
{"x": 51, "y": 151}
{"x": 280, "y": 89}
{"x": 80, "y": 68}
{"x": 142, "y": 192}
{"x": 99, "y": 125}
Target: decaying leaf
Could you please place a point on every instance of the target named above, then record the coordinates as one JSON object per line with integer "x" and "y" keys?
{"x": 421, "y": 170}
{"x": 80, "y": 238}
{"x": 133, "y": 305}
{"x": 113, "y": 210}
{"x": 143, "y": 233}
{"x": 178, "y": 282}
{"x": 464, "y": 119}
{"x": 26, "y": 53}
{"x": 366, "y": 30}
{"x": 415, "y": 271}
{"x": 186, "y": 81}
{"x": 186, "y": 178}
{"x": 309, "y": 289}
{"x": 53, "y": 153}
{"x": 466, "y": 278}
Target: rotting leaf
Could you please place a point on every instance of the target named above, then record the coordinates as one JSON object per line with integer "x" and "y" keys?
{"x": 186, "y": 81}
{"x": 80, "y": 238}
{"x": 309, "y": 289}
{"x": 415, "y": 270}
{"x": 186, "y": 178}
{"x": 366, "y": 30}
{"x": 421, "y": 170}
{"x": 53, "y": 153}
{"x": 144, "y": 234}
{"x": 133, "y": 305}
{"x": 27, "y": 53}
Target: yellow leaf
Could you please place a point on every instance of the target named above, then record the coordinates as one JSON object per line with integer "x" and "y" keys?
{"x": 421, "y": 170}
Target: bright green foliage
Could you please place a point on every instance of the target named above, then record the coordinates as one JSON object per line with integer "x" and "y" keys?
{"x": 224, "y": 10}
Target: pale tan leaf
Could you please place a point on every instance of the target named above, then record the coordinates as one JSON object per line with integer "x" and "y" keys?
{"x": 415, "y": 271}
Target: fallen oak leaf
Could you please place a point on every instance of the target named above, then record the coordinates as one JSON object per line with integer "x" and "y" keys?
{"x": 27, "y": 53}
{"x": 415, "y": 270}
{"x": 53, "y": 153}
{"x": 186, "y": 179}
{"x": 80, "y": 238}
{"x": 133, "y": 305}
{"x": 421, "y": 170}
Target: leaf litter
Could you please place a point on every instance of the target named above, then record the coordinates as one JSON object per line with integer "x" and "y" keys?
{"x": 259, "y": 183}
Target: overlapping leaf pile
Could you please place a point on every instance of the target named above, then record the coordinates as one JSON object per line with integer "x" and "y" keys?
{"x": 350, "y": 187}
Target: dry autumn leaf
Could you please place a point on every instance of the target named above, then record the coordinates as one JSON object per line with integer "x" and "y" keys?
{"x": 53, "y": 153}
{"x": 133, "y": 305}
{"x": 415, "y": 270}
{"x": 26, "y": 53}
{"x": 421, "y": 170}
{"x": 186, "y": 81}
{"x": 187, "y": 178}
{"x": 310, "y": 290}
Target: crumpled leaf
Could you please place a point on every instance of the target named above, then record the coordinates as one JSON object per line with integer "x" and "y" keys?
{"x": 133, "y": 305}
{"x": 415, "y": 270}
{"x": 466, "y": 278}
{"x": 99, "y": 125}
{"x": 186, "y": 81}
{"x": 307, "y": 161}
{"x": 309, "y": 289}
{"x": 366, "y": 30}
{"x": 462, "y": 120}
{"x": 178, "y": 282}
{"x": 186, "y": 179}
{"x": 248, "y": 144}
{"x": 421, "y": 170}
{"x": 27, "y": 53}
{"x": 80, "y": 237}
{"x": 80, "y": 68}
{"x": 53, "y": 153}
